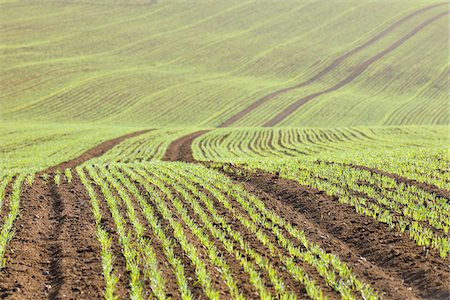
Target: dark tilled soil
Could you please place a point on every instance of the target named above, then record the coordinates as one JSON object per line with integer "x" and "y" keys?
{"x": 54, "y": 253}
{"x": 96, "y": 151}
{"x": 335, "y": 63}
{"x": 390, "y": 261}
{"x": 180, "y": 149}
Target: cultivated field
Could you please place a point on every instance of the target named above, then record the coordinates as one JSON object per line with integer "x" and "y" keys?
{"x": 224, "y": 149}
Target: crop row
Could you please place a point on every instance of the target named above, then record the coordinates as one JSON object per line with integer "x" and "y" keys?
{"x": 253, "y": 143}
{"x": 10, "y": 208}
{"x": 175, "y": 221}
{"x": 418, "y": 153}
{"x": 254, "y": 55}
{"x": 424, "y": 215}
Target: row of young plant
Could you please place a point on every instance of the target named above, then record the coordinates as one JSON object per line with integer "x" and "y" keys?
{"x": 429, "y": 164}
{"x": 138, "y": 249}
{"x": 424, "y": 215}
{"x": 264, "y": 223}
{"x": 252, "y": 143}
{"x": 161, "y": 206}
{"x": 17, "y": 183}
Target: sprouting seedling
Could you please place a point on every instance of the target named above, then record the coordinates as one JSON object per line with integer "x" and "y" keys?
{"x": 30, "y": 179}
{"x": 68, "y": 174}
{"x": 45, "y": 177}
{"x": 57, "y": 178}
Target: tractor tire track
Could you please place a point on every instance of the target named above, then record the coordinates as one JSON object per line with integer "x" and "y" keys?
{"x": 357, "y": 71}
{"x": 181, "y": 148}
{"x": 335, "y": 63}
{"x": 431, "y": 188}
{"x": 54, "y": 253}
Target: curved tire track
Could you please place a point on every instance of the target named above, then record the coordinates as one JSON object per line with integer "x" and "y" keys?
{"x": 357, "y": 71}
{"x": 327, "y": 69}
{"x": 181, "y": 148}
{"x": 431, "y": 188}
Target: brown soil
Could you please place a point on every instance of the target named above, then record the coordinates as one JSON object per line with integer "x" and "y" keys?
{"x": 390, "y": 261}
{"x": 180, "y": 149}
{"x": 54, "y": 253}
{"x": 96, "y": 151}
{"x": 327, "y": 69}
{"x": 355, "y": 73}
{"x": 411, "y": 182}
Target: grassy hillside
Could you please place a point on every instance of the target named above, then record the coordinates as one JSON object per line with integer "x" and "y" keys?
{"x": 173, "y": 63}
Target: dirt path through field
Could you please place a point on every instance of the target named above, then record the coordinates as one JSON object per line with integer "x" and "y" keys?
{"x": 388, "y": 260}
{"x": 95, "y": 151}
{"x": 358, "y": 70}
{"x": 181, "y": 148}
{"x": 335, "y": 63}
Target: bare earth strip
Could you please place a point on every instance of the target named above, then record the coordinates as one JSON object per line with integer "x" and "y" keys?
{"x": 180, "y": 149}
{"x": 388, "y": 260}
{"x": 54, "y": 253}
{"x": 327, "y": 69}
{"x": 96, "y": 151}
{"x": 357, "y": 71}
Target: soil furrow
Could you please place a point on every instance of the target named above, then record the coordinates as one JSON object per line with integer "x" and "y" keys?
{"x": 327, "y": 69}
{"x": 355, "y": 73}
{"x": 54, "y": 252}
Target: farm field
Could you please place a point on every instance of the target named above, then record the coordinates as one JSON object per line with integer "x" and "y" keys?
{"x": 213, "y": 149}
